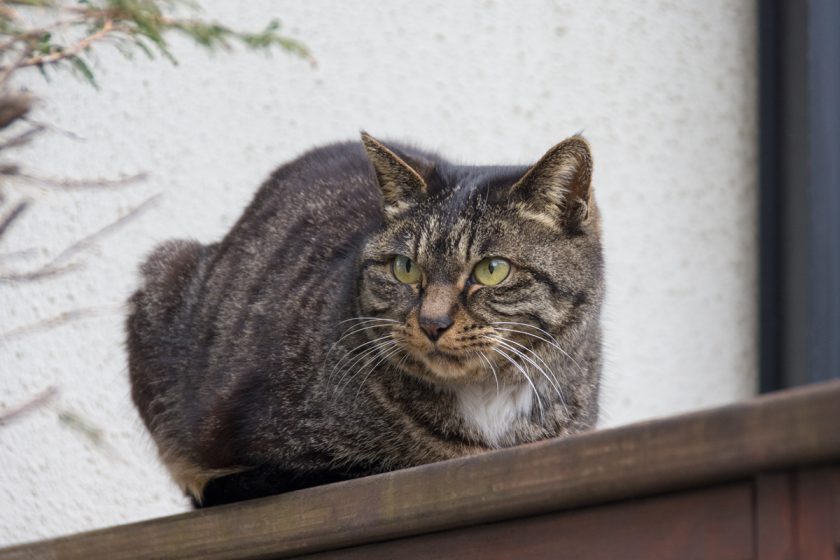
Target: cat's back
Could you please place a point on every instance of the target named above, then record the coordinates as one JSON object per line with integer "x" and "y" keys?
{"x": 297, "y": 241}
{"x": 307, "y": 201}
{"x": 205, "y": 313}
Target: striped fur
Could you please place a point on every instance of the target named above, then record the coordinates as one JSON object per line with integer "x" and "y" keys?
{"x": 288, "y": 354}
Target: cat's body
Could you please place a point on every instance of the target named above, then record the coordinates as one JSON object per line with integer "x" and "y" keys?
{"x": 289, "y": 354}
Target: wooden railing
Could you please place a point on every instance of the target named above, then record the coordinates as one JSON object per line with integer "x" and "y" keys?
{"x": 759, "y": 479}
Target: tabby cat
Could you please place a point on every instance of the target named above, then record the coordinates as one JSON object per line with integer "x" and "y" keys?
{"x": 376, "y": 307}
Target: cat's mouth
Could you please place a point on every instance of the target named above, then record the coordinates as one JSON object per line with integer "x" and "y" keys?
{"x": 438, "y": 354}
{"x": 445, "y": 365}
{"x": 449, "y": 358}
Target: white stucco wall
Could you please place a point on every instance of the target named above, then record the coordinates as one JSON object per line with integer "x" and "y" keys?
{"x": 664, "y": 90}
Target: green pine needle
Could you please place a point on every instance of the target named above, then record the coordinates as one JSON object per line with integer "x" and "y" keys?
{"x": 130, "y": 25}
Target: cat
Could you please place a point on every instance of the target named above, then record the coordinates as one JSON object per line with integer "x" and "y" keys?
{"x": 376, "y": 307}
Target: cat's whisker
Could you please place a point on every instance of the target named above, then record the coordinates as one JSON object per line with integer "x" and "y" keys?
{"x": 349, "y": 353}
{"x": 553, "y": 342}
{"x": 366, "y": 318}
{"x": 552, "y": 379}
{"x": 354, "y": 331}
{"x": 529, "y": 325}
{"x": 367, "y": 322}
{"x": 370, "y": 362}
{"x": 374, "y": 350}
{"x": 492, "y": 369}
{"x": 364, "y": 358}
{"x": 373, "y": 368}
{"x": 527, "y": 378}
{"x": 401, "y": 363}
{"x": 526, "y": 348}
{"x": 531, "y": 362}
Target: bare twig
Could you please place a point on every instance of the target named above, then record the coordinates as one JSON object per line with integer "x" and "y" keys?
{"x": 86, "y": 242}
{"x": 9, "y": 169}
{"x": 56, "y": 321}
{"x": 89, "y": 430}
{"x": 75, "y": 183}
{"x": 7, "y": 12}
{"x": 83, "y": 426}
{"x": 15, "y": 213}
{"x": 21, "y": 254}
{"x": 69, "y": 418}
{"x": 57, "y": 129}
{"x": 42, "y": 272}
{"x": 13, "y": 106}
{"x": 56, "y": 265}
{"x": 7, "y": 71}
{"x": 23, "y": 138}
{"x": 40, "y": 400}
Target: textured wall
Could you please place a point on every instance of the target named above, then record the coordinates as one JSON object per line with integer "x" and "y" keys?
{"x": 664, "y": 90}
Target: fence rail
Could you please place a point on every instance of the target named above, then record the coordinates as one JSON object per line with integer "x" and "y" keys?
{"x": 709, "y": 449}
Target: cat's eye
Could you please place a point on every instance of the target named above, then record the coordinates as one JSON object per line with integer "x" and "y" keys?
{"x": 491, "y": 271}
{"x": 405, "y": 270}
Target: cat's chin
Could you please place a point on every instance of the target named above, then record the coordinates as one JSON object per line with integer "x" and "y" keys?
{"x": 446, "y": 368}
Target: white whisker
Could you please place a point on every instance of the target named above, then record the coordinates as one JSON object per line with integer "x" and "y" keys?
{"x": 536, "y": 366}
{"x": 552, "y": 380}
{"x": 351, "y": 374}
{"x": 350, "y": 352}
{"x": 366, "y": 355}
{"x": 372, "y": 369}
{"x": 528, "y": 379}
{"x": 357, "y": 330}
{"x": 492, "y": 369}
{"x": 553, "y": 342}
{"x": 369, "y": 318}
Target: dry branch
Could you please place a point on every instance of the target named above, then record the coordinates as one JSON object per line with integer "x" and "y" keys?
{"x": 56, "y": 265}
{"x": 13, "y": 215}
{"x": 40, "y": 400}
{"x": 56, "y": 321}
{"x": 28, "y": 178}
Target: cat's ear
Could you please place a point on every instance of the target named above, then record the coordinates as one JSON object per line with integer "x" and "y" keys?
{"x": 557, "y": 190}
{"x": 401, "y": 184}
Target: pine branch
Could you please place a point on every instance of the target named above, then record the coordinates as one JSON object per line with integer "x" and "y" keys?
{"x": 73, "y": 51}
{"x": 130, "y": 25}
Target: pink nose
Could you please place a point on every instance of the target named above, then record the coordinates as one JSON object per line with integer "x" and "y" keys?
{"x": 434, "y": 326}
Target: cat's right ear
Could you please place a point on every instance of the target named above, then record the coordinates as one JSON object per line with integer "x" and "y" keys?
{"x": 401, "y": 185}
{"x": 557, "y": 190}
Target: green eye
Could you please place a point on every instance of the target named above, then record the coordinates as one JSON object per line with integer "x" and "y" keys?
{"x": 491, "y": 271}
{"x": 405, "y": 270}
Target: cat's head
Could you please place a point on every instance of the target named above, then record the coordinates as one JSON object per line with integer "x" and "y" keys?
{"x": 480, "y": 271}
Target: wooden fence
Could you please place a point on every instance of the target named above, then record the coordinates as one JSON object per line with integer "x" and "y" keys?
{"x": 759, "y": 479}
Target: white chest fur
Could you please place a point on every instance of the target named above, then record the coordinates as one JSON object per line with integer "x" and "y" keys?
{"x": 492, "y": 410}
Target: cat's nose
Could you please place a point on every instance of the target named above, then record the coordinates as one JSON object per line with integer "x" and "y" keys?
{"x": 434, "y": 326}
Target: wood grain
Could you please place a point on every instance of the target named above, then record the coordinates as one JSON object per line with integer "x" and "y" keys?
{"x": 815, "y": 509}
{"x": 786, "y": 429}
{"x": 774, "y": 517}
{"x": 714, "y": 524}
{"x": 835, "y": 490}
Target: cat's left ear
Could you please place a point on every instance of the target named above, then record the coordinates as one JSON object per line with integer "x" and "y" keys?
{"x": 558, "y": 188}
{"x": 401, "y": 184}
